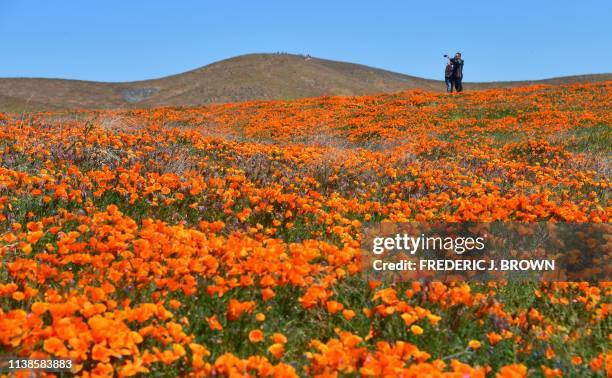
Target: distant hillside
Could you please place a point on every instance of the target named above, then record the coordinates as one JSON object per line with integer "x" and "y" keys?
{"x": 247, "y": 77}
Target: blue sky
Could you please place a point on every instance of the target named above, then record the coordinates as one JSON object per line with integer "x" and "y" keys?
{"x": 132, "y": 40}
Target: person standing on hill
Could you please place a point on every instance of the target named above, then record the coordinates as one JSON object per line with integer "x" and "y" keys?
{"x": 457, "y": 72}
{"x": 448, "y": 76}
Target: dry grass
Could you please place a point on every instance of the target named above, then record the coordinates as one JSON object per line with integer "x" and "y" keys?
{"x": 243, "y": 78}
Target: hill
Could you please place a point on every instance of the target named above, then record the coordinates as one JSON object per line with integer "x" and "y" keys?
{"x": 243, "y": 78}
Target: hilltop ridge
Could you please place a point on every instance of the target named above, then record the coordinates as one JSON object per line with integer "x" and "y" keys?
{"x": 242, "y": 78}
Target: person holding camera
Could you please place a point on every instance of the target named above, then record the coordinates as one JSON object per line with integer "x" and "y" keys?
{"x": 457, "y": 72}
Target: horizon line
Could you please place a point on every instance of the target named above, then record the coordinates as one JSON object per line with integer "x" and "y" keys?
{"x": 295, "y": 55}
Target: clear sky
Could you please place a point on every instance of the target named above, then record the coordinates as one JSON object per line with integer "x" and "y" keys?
{"x": 121, "y": 40}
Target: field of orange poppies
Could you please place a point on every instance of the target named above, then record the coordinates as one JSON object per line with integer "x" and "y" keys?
{"x": 224, "y": 240}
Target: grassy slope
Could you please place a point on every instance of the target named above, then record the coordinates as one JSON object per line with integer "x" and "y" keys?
{"x": 248, "y": 77}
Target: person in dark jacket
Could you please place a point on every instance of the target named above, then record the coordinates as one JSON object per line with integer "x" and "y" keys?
{"x": 457, "y": 72}
{"x": 448, "y": 76}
